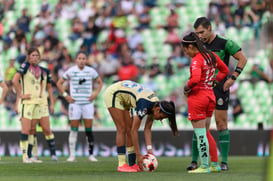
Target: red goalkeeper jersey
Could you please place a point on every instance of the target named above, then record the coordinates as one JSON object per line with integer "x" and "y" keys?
{"x": 202, "y": 74}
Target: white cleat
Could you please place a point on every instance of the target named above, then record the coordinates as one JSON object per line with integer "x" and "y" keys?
{"x": 27, "y": 160}
{"x": 35, "y": 160}
{"x": 71, "y": 159}
{"x": 54, "y": 158}
{"x": 92, "y": 159}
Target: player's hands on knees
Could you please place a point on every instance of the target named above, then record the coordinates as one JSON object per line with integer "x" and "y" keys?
{"x": 26, "y": 96}
{"x": 140, "y": 158}
{"x": 69, "y": 99}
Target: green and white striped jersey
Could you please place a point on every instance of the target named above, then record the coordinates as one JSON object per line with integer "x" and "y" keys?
{"x": 80, "y": 83}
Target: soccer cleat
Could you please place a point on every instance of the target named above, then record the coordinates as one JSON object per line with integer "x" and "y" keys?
{"x": 71, "y": 159}
{"x": 224, "y": 166}
{"x": 92, "y": 159}
{"x": 136, "y": 167}
{"x": 26, "y": 160}
{"x": 36, "y": 160}
{"x": 192, "y": 166}
{"x": 126, "y": 168}
{"x": 54, "y": 158}
{"x": 215, "y": 168}
{"x": 200, "y": 170}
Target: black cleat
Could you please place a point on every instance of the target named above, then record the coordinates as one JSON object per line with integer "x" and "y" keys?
{"x": 192, "y": 166}
{"x": 224, "y": 166}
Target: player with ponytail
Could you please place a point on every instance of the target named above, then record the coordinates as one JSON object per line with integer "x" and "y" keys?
{"x": 199, "y": 90}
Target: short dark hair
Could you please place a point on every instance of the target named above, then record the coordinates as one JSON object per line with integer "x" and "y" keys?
{"x": 202, "y": 21}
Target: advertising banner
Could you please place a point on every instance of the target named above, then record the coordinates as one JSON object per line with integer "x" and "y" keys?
{"x": 243, "y": 142}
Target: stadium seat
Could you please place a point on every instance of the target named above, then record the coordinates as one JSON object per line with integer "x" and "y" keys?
{"x": 132, "y": 20}
{"x": 246, "y": 33}
{"x": 52, "y": 2}
{"x": 233, "y": 34}
{"x": 163, "y": 3}
{"x": 261, "y": 89}
{"x": 245, "y": 74}
{"x": 267, "y": 16}
{"x": 249, "y": 103}
{"x": 102, "y": 37}
{"x": 241, "y": 121}
{"x": 245, "y": 88}
{"x": 160, "y": 34}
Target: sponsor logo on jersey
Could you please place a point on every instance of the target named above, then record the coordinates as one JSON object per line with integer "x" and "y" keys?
{"x": 142, "y": 113}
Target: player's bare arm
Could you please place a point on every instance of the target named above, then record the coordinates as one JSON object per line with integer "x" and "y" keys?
{"x": 4, "y": 87}
{"x": 148, "y": 133}
{"x": 51, "y": 98}
{"x": 96, "y": 93}
{"x": 240, "y": 66}
{"x": 67, "y": 97}
{"x": 17, "y": 87}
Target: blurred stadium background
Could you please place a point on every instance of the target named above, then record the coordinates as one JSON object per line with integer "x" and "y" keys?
{"x": 140, "y": 37}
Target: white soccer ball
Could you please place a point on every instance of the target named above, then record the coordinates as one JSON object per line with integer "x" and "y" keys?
{"x": 150, "y": 163}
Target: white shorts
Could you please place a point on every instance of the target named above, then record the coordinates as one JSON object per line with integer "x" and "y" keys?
{"x": 77, "y": 111}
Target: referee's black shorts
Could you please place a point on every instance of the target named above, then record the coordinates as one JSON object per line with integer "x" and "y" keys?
{"x": 222, "y": 97}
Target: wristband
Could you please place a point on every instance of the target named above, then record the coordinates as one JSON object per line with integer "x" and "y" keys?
{"x": 149, "y": 147}
{"x": 238, "y": 70}
{"x": 233, "y": 77}
{"x": 64, "y": 94}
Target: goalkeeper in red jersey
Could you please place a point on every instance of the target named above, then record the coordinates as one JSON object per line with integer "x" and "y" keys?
{"x": 199, "y": 90}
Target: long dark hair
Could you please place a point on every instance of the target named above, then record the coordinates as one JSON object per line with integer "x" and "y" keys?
{"x": 193, "y": 39}
{"x": 168, "y": 108}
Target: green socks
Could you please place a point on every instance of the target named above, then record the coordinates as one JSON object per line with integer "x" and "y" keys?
{"x": 203, "y": 146}
{"x": 224, "y": 140}
{"x": 195, "y": 153}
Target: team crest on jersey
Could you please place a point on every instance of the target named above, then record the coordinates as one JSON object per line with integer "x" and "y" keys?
{"x": 220, "y": 101}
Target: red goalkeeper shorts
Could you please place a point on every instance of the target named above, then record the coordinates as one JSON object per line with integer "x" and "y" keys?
{"x": 201, "y": 104}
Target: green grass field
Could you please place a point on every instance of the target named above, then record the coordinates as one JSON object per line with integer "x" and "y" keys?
{"x": 171, "y": 169}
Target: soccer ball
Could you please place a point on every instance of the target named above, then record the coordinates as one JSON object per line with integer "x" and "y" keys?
{"x": 150, "y": 163}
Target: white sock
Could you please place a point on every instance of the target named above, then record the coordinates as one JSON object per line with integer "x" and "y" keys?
{"x": 72, "y": 139}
